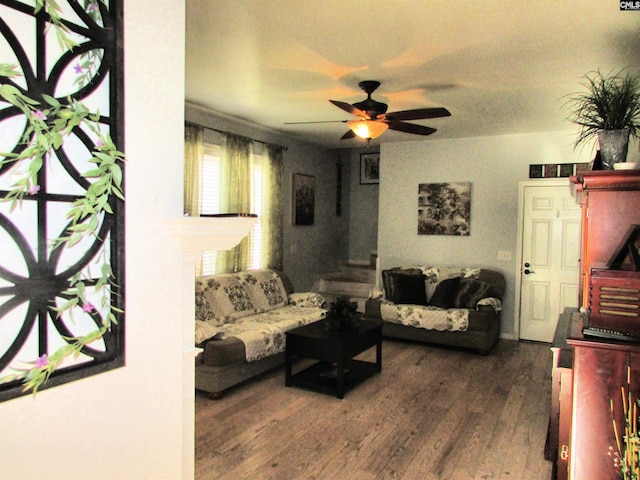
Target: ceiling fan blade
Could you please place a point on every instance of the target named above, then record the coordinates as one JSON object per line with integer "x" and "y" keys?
{"x": 418, "y": 114}
{"x": 348, "y": 135}
{"x": 411, "y": 128}
{"x": 320, "y": 121}
{"x": 350, "y": 109}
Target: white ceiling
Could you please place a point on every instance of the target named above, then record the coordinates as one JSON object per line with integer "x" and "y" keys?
{"x": 499, "y": 67}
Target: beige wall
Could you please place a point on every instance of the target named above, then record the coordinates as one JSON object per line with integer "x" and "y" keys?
{"x": 363, "y": 209}
{"x": 127, "y": 423}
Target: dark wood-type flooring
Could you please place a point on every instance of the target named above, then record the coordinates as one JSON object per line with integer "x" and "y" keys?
{"x": 433, "y": 413}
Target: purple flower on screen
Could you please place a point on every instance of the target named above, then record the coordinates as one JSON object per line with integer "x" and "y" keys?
{"x": 42, "y": 361}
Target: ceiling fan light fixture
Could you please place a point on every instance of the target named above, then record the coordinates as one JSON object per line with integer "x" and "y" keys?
{"x": 367, "y": 129}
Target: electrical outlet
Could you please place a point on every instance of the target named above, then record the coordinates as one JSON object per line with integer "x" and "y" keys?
{"x": 504, "y": 255}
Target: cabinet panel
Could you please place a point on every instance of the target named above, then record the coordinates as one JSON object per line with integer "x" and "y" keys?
{"x": 598, "y": 374}
{"x": 609, "y": 201}
{"x": 564, "y": 425}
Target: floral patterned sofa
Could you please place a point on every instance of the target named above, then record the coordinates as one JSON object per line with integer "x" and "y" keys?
{"x": 457, "y": 307}
{"x": 241, "y": 320}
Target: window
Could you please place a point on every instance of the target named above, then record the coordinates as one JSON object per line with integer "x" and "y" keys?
{"x": 211, "y": 178}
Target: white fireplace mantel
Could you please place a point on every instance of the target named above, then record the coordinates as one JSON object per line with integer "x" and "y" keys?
{"x": 195, "y": 235}
{"x": 202, "y": 234}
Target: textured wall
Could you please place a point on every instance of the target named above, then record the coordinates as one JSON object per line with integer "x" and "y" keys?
{"x": 363, "y": 219}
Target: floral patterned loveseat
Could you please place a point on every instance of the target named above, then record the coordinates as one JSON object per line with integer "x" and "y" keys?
{"x": 241, "y": 320}
{"x": 458, "y": 307}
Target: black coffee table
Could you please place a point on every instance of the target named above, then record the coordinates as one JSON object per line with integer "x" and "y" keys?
{"x": 337, "y": 371}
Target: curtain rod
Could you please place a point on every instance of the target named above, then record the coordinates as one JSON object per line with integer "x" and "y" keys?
{"x": 283, "y": 147}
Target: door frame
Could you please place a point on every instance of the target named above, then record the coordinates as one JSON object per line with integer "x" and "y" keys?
{"x": 541, "y": 182}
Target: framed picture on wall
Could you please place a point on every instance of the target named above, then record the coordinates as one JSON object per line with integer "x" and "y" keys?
{"x": 444, "y": 208}
{"x": 369, "y": 168}
{"x": 304, "y": 192}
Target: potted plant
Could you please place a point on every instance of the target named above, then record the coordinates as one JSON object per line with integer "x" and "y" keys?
{"x": 342, "y": 315}
{"x": 609, "y": 109}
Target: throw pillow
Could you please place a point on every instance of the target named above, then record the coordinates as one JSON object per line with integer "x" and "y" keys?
{"x": 307, "y": 299}
{"x": 409, "y": 289}
{"x": 265, "y": 289}
{"x": 388, "y": 279}
{"x": 445, "y": 293}
{"x": 470, "y": 292}
{"x": 205, "y": 331}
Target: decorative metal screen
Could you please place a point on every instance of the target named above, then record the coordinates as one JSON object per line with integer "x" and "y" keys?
{"x": 55, "y": 292}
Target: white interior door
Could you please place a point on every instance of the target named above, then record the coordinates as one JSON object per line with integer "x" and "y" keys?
{"x": 550, "y": 257}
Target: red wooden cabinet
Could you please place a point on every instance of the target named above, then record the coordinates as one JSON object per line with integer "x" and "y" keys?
{"x": 610, "y": 201}
{"x": 600, "y": 371}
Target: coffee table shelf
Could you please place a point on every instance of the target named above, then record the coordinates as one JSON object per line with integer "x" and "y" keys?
{"x": 322, "y": 376}
{"x": 337, "y": 371}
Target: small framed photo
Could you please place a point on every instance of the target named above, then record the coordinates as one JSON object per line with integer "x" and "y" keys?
{"x": 550, "y": 171}
{"x": 535, "y": 171}
{"x": 304, "y": 192}
{"x": 566, "y": 169}
{"x": 369, "y": 168}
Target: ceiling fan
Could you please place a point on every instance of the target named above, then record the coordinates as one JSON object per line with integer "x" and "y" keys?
{"x": 373, "y": 119}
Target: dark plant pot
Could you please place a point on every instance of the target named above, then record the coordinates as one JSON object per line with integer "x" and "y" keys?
{"x": 614, "y": 145}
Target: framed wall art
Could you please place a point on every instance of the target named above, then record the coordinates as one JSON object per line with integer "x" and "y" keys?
{"x": 369, "y": 168}
{"x": 304, "y": 192}
{"x": 62, "y": 269}
{"x": 444, "y": 208}
{"x": 556, "y": 170}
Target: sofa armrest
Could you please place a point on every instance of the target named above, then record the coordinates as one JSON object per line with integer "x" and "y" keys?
{"x": 489, "y": 304}
{"x": 372, "y": 309}
{"x": 307, "y": 299}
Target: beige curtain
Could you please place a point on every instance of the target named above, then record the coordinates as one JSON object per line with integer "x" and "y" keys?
{"x": 272, "y": 216}
{"x": 193, "y": 153}
{"x": 235, "y": 195}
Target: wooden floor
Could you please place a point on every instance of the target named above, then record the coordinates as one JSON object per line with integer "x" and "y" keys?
{"x": 432, "y": 413}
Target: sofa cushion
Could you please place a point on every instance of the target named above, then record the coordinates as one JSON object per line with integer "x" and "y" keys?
{"x": 445, "y": 293}
{"x": 409, "y": 289}
{"x": 265, "y": 289}
{"x": 426, "y": 316}
{"x": 470, "y": 292}
{"x": 226, "y": 297}
{"x": 263, "y": 334}
{"x": 203, "y": 311}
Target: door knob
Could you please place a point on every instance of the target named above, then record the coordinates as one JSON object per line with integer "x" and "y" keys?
{"x": 527, "y": 264}
{"x": 527, "y": 271}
